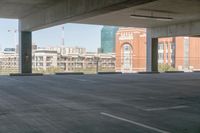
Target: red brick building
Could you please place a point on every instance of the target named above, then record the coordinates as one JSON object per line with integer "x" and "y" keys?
{"x": 182, "y": 53}
{"x": 131, "y": 50}
{"x": 194, "y": 53}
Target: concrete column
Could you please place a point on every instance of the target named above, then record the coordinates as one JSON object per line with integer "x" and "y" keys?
{"x": 148, "y": 49}
{"x": 154, "y": 55}
{"x": 152, "y": 52}
{"x": 25, "y": 52}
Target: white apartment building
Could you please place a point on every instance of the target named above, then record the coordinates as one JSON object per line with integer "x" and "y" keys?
{"x": 72, "y": 62}
{"x": 44, "y": 59}
{"x": 9, "y": 61}
{"x": 68, "y": 50}
{"x": 66, "y": 59}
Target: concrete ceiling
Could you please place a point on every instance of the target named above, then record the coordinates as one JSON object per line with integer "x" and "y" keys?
{"x": 34, "y": 16}
{"x": 19, "y": 8}
{"x": 180, "y": 10}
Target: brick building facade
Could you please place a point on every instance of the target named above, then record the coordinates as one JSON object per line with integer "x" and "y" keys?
{"x": 131, "y": 50}
{"x": 182, "y": 53}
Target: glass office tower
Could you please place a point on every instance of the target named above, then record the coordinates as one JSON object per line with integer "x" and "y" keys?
{"x": 108, "y": 39}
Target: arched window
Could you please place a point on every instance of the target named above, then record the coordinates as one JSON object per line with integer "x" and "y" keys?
{"x": 127, "y": 53}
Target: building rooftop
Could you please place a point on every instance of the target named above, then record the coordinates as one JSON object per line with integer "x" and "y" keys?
{"x": 45, "y": 51}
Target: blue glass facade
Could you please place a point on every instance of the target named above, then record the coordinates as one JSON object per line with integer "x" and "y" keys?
{"x": 108, "y": 39}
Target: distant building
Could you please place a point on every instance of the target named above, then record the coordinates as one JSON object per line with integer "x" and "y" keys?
{"x": 99, "y": 50}
{"x": 108, "y": 38}
{"x": 181, "y": 52}
{"x": 193, "y": 53}
{"x": 9, "y": 61}
{"x": 131, "y": 50}
{"x": 9, "y": 50}
{"x": 44, "y": 59}
{"x": 167, "y": 51}
{"x": 71, "y": 59}
{"x": 34, "y": 47}
{"x": 17, "y": 48}
{"x": 68, "y": 50}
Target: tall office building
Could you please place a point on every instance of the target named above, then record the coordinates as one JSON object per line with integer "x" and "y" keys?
{"x": 108, "y": 39}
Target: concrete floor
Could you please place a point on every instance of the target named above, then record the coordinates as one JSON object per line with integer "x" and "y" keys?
{"x": 131, "y": 103}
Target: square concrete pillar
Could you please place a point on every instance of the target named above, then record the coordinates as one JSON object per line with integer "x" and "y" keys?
{"x": 25, "y": 52}
{"x": 152, "y": 52}
{"x": 154, "y": 55}
{"x": 148, "y": 50}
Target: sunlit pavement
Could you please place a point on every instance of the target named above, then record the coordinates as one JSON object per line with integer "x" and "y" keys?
{"x": 130, "y": 103}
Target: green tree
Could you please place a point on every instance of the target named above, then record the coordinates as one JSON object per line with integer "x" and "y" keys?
{"x": 165, "y": 67}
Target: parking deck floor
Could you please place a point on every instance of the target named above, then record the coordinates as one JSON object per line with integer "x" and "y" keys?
{"x": 128, "y": 103}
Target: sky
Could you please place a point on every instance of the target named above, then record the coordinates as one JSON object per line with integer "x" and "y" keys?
{"x": 7, "y": 39}
{"x": 75, "y": 35}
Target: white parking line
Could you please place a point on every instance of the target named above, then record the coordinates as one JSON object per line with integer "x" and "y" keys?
{"x": 82, "y": 80}
{"x": 167, "y": 108}
{"x": 135, "y": 123}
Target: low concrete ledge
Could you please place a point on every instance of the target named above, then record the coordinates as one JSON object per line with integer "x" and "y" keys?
{"x": 148, "y": 72}
{"x": 109, "y": 73}
{"x": 196, "y": 71}
{"x": 69, "y": 73}
{"x": 26, "y": 74}
{"x": 174, "y": 71}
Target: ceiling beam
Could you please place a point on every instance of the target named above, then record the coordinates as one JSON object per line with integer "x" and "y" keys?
{"x": 184, "y": 29}
{"x": 71, "y": 10}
